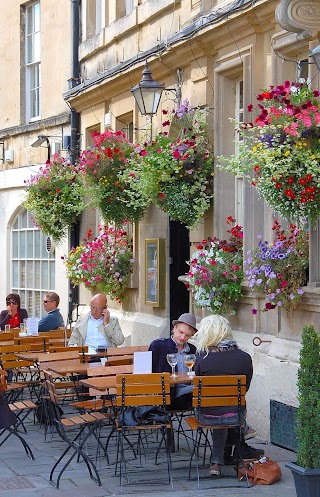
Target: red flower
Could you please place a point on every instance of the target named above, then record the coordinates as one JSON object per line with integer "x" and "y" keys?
{"x": 161, "y": 195}
{"x": 278, "y": 185}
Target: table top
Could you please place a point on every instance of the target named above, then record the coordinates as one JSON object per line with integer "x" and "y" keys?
{"x": 34, "y": 356}
{"x": 106, "y": 382}
{"x": 71, "y": 367}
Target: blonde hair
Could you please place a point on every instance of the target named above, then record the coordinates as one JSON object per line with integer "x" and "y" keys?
{"x": 212, "y": 330}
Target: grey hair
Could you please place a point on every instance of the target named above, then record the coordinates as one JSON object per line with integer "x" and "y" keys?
{"x": 212, "y": 330}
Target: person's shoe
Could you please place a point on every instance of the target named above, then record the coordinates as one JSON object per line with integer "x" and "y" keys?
{"x": 250, "y": 433}
{"x": 248, "y": 452}
{"x": 215, "y": 470}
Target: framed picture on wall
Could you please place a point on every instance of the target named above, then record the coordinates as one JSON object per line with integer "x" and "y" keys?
{"x": 155, "y": 272}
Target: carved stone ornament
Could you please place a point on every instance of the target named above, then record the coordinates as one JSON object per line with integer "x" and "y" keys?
{"x": 299, "y": 16}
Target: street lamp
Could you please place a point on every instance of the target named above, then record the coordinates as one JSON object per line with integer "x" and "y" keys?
{"x": 147, "y": 93}
{"x": 39, "y": 141}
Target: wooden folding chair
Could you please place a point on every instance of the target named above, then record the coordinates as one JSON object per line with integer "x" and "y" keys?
{"x": 216, "y": 391}
{"x": 136, "y": 390}
{"x": 13, "y": 415}
{"x": 75, "y": 431}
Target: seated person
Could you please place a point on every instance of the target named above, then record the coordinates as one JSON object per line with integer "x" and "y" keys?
{"x": 183, "y": 329}
{"x": 13, "y": 315}
{"x": 97, "y": 329}
{"x": 53, "y": 320}
{"x": 218, "y": 354}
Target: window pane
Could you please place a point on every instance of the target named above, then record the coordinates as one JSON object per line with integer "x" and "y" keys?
{"x": 23, "y": 217}
{"x": 22, "y": 274}
{"x": 15, "y": 273}
{"x": 37, "y": 274}
{"x": 22, "y": 245}
{"x": 52, "y": 273}
{"x": 29, "y": 274}
{"x": 44, "y": 275}
{"x": 44, "y": 253}
{"x": 37, "y": 244}
{"x": 29, "y": 245}
{"x": 15, "y": 244}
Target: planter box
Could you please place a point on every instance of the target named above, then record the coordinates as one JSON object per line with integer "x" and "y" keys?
{"x": 307, "y": 481}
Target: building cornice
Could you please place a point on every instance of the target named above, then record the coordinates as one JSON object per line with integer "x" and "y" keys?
{"x": 299, "y": 16}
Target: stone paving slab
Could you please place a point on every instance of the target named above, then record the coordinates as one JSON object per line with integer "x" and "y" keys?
{"x": 22, "y": 477}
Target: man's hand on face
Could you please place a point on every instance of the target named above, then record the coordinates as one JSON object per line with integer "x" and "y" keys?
{"x": 106, "y": 316}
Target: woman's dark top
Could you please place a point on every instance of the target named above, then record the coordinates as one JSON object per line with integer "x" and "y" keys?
{"x": 215, "y": 363}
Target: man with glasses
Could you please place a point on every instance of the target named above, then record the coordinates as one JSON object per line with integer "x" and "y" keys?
{"x": 53, "y": 320}
{"x": 97, "y": 329}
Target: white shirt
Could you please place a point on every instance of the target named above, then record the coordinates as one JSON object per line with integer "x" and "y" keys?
{"x": 94, "y": 337}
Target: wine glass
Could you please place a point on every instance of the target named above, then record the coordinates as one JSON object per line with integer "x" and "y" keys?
{"x": 173, "y": 361}
{"x": 189, "y": 360}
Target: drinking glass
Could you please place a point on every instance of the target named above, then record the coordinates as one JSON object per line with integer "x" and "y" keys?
{"x": 173, "y": 361}
{"x": 7, "y": 328}
{"x": 189, "y": 360}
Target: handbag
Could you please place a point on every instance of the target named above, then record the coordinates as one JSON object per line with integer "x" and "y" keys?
{"x": 265, "y": 471}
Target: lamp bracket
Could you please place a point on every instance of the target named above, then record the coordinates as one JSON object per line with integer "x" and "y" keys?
{"x": 2, "y": 151}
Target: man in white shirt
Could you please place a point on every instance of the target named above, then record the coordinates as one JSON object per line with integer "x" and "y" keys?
{"x": 97, "y": 329}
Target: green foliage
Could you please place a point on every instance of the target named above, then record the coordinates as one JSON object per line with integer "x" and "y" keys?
{"x": 279, "y": 151}
{"x": 55, "y": 197}
{"x": 308, "y": 416}
{"x": 216, "y": 273}
{"x": 102, "y": 166}
{"x": 174, "y": 171}
{"x": 104, "y": 262}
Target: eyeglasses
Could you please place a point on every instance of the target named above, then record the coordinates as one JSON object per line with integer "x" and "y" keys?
{"x": 94, "y": 308}
{"x": 11, "y": 302}
{"x": 46, "y": 301}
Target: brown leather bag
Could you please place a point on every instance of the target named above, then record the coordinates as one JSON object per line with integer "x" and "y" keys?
{"x": 3, "y": 380}
{"x": 262, "y": 472}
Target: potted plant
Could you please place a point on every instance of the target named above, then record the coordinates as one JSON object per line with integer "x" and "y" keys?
{"x": 102, "y": 166}
{"x": 306, "y": 471}
{"x": 216, "y": 273}
{"x": 175, "y": 169}
{"x": 104, "y": 262}
{"x": 279, "y": 152}
{"x": 55, "y": 197}
{"x": 279, "y": 269}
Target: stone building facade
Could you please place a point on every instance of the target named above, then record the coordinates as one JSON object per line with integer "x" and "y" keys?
{"x": 219, "y": 54}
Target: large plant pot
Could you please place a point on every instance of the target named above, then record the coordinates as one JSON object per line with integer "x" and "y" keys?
{"x": 307, "y": 481}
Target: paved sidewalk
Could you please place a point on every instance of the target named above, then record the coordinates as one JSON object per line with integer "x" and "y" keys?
{"x": 22, "y": 477}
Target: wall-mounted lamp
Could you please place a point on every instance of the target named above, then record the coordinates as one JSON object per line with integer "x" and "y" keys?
{"x": 147, "y": 93}
{"x": 39, "y": 141}
{"x": 315, "y": 54}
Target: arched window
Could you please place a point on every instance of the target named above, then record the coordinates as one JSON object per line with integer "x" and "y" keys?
{"x": 32, "y": 271}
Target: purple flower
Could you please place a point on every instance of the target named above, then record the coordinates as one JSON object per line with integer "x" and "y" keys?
{"x": 254, "y": 311}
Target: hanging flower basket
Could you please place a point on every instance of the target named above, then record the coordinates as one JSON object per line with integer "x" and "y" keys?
{"x": 104, "y": 263}
{"x": 280, "y": 154}
{"x": 175, "y": 171}
{"x": 102, "y": 166}
{"x": 216, "y": 273}
{"x": 279, "y": 269}
{"x": 55, "y": 197}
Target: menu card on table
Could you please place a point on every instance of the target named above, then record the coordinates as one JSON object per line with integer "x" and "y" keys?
{"x": 32, "y": 326}
{"x": 142, "y": 362}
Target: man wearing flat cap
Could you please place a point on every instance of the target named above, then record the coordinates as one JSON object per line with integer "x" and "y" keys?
{"x": 183, "y": 329}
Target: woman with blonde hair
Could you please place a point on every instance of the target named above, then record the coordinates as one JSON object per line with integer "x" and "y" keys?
{"x": 219, "y": 354}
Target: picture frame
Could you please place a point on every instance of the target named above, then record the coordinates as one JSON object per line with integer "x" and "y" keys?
{"x": 155, "y": 272}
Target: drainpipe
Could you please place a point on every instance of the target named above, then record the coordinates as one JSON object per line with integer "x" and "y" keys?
{"x": 75, "y": 137}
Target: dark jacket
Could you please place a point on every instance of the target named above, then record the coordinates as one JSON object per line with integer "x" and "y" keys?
{"x": 233, "y": 361}
{"x": 160, "y": 348}
{"x": 51, "y": 321}
{"x": 5, "y": 317}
